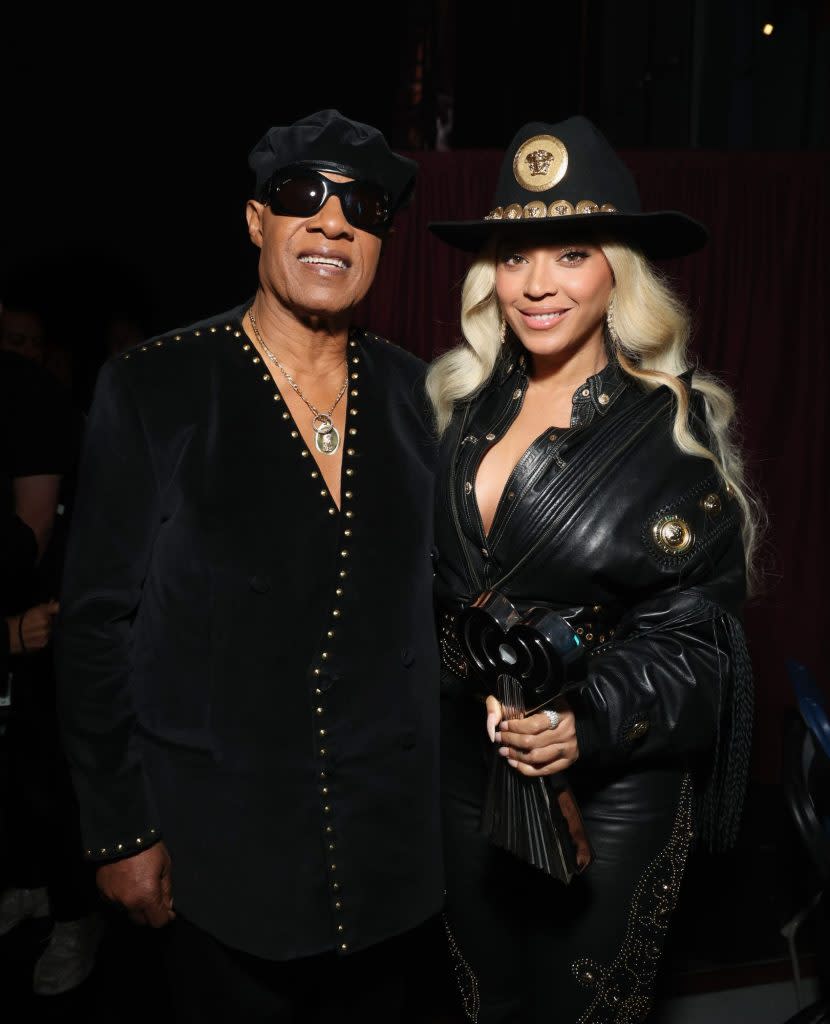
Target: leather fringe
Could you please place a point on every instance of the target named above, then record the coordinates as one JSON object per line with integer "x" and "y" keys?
{"x": 720, "y": 803}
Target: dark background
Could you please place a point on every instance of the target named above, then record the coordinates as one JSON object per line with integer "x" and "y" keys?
{"x": 125, "y": 150}
{"x": 125, "y": 179}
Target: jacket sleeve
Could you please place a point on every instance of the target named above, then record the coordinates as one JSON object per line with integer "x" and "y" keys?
{"x": 676, "y": 681}
{"x": 113, "y": 530}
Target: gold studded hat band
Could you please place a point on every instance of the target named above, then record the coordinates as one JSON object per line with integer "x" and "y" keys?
{"x": 565, "y": 182}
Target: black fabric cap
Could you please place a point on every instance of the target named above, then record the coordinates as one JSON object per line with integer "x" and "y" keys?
{"x": 329, "y": 141}
{"x": 550, "y": 174}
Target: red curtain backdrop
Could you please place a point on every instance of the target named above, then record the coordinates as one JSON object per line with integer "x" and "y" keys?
{"x": 758, "y": 294}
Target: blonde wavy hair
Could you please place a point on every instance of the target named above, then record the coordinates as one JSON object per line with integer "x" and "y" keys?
{"x": 650, "y": 338}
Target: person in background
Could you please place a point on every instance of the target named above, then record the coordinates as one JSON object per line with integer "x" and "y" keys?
{"x": 46, "y": 875}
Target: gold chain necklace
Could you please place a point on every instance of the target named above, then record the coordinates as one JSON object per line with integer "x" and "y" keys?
{"x": 326, "y": 435}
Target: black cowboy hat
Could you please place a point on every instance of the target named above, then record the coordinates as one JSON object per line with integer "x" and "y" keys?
{"x": 553, "y": 175}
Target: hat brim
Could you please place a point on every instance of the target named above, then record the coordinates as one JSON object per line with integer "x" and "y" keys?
{"x": 665, "y": 234}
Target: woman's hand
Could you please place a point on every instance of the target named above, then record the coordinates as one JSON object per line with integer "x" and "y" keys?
{"x": 530, "y": 745}
{"x": 36, "y": 629}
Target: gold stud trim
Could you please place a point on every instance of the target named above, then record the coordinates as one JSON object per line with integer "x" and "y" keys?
{"x": 537, "y": 210}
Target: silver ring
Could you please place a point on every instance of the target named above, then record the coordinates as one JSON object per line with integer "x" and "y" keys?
{"x": 553, "y": 717}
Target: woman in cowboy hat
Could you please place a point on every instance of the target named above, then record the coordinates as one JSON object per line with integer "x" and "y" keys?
{"x": 589, "y": 471}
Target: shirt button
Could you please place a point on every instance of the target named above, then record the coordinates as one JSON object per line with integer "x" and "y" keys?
{"x": 468, "y": 487}
{"x": 585, "y": 392}
{"x": 491, "y": 437}
{"x": 604, "y": 399}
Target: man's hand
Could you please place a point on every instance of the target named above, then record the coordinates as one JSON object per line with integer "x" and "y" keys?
{"x": 36, "y": 630}
{"x": 141, "y": 884}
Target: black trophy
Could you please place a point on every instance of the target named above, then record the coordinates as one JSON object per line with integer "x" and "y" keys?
{"x": 527, "y": 660}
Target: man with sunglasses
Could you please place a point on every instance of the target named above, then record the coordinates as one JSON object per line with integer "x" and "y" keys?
{"x": 247, "y": 659}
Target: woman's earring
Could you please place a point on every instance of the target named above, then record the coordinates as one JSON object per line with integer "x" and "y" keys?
{"x": 502, "y": 330}
{"x": 609, "y": 322}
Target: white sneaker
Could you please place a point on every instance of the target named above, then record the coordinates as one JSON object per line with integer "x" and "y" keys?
{"x": 70, "y": 956}
{"x": 18, "y": 904}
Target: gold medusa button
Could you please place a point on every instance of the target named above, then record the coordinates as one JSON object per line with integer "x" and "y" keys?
{"x": 513, "y": 212}
{"x": 672, "y": 535}
{"x": 536, "y": 208}
{"x": 586, "y": 206}
{"x": 603, "y": 399}
{"x": 711, "y": 503}
{"x": 468, "y": 487}
{"x": 560, "y": 208}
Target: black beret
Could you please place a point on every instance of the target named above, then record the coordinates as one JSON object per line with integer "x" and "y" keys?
{"x": 328, "y": 141}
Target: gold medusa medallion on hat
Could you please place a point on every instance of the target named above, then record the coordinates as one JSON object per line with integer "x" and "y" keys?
{"x": 540, "y": 163}
{"x": 565, "y": 181}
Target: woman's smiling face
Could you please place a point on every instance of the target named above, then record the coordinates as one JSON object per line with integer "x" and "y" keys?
{"x": 554, "y": 297}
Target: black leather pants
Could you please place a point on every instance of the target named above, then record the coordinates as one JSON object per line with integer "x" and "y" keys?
{"x": 530, "y": 949}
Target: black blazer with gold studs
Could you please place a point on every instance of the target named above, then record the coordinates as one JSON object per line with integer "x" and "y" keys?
{"x": 245, "y": 671}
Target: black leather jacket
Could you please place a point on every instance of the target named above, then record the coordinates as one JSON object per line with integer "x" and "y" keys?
{"x": 638, "y": 545}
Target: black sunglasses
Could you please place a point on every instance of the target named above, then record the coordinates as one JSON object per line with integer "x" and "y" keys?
{"x": 302, "y": 192}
